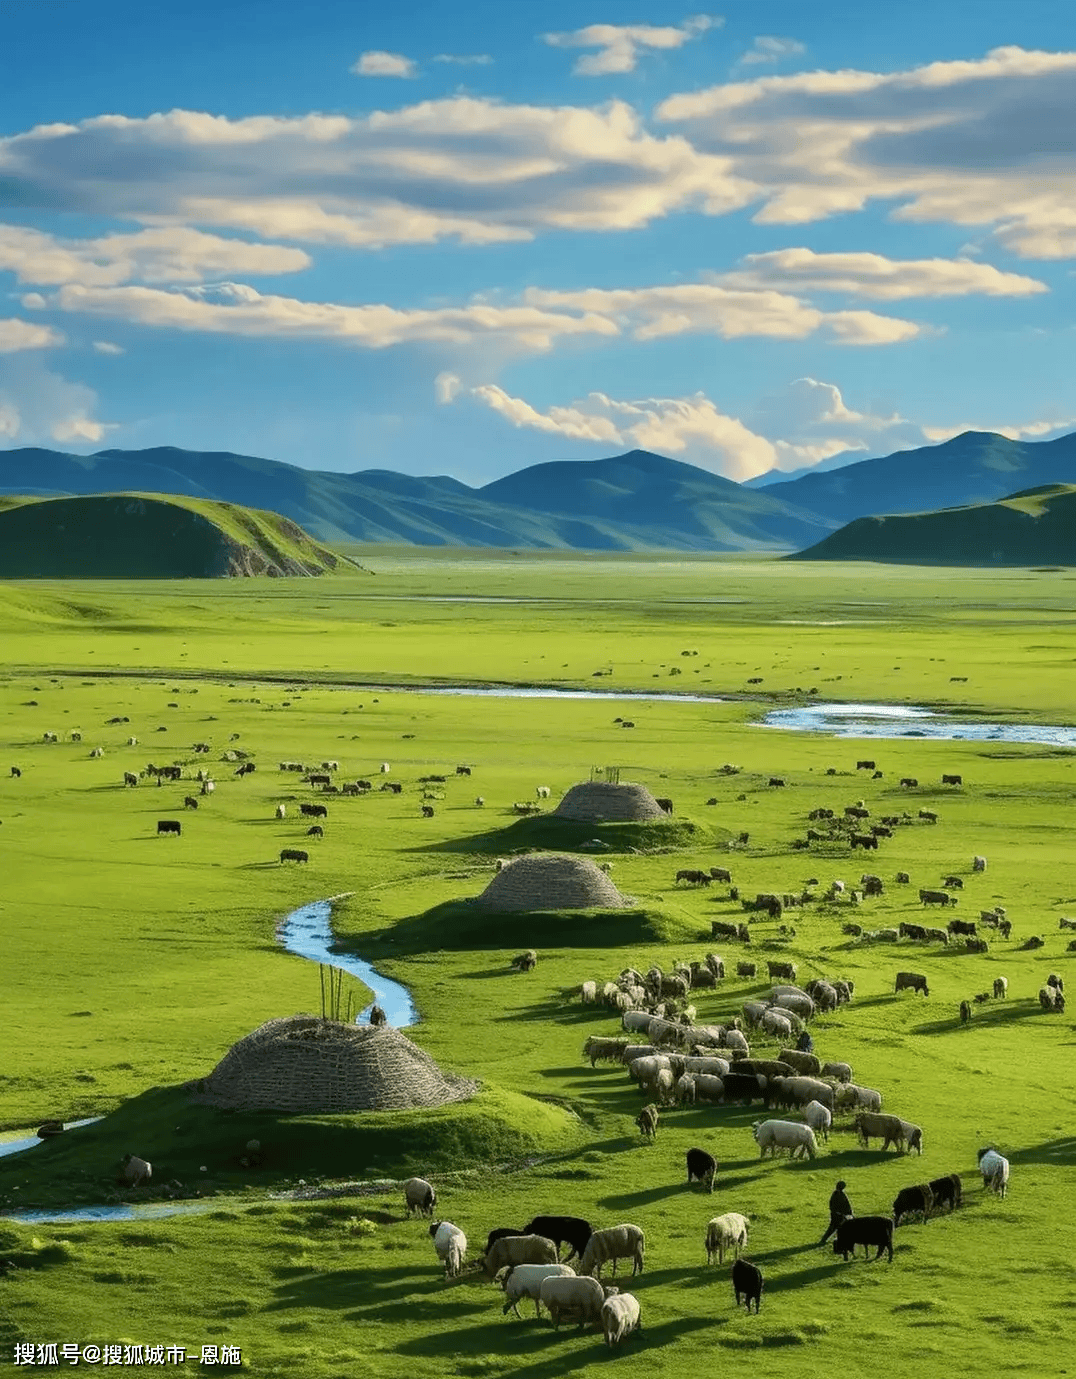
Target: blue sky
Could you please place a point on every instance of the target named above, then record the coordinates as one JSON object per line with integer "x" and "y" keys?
{"x": 465, "y": 237}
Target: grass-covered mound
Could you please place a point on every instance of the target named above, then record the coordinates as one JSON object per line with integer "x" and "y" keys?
{"x": 177, "y": 1135}
{"x": 146, "y": 536}
{"x": 466, "y": 924}
{"x": 1035, "y": 527}
{"x": 550, "y": 833}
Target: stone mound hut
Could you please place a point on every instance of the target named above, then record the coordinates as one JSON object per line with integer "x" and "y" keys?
{"x": 597, "y": 802}
{"x": 552, "y": 882}
{"x": 305, "y": 1063}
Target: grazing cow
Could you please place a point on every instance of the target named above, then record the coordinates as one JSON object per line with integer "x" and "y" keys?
{"x": 129, "y": 778}
{"x": 723, "y": 874}
{"x": 427, "y": 811}
{"x": 952, "y": 780}
{"x": 911, "y": 981}
{"x": 909, "y": 782}
{"x": 315, "y": 831}
{"x": 665, "y": 805}
{"x": 864, "y": 840}
{"x": 190, "y": 802}
{"x": 865, "y": 1231}
{"x": 294, "y": 855}
{"x": 168, "y": 826}
{"x": 207, "y": 787}
{"x": 937, "y": 898}
{"x": 947, "y": 1190}
{"x": 314, "y": 811}
{"x": 777, "y": 781}
{"x": 865, "y": 766}
{"x": 701, "y": 1167}
{"x": 910, "y": 1200}
{"x": 928, "y": 816}
{"x": 747, "y": 1283}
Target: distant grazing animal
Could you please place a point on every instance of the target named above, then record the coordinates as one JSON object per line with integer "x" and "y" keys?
{"x": 1055, "y": 981}
{"x": 582, "y": 1299}
{"x": 1062, "y": 923}
{"x": 953, "y": 883}
{"x": 320, "y": 780}
{"x": 314, "y": 811}
{"x": 911, "y": 981}
{"x": 129, "y": 778}
{"x": 207, "y": 787}
{"x": 774, "y": 1135}
{"x": 948, "y": 1190}
{"x": 746, "y": 969}
{"x": 168, "y": 826}
{"x": 463, "y": 770}
{"x": 864, "y": 840}
{"x": 97, "y": 752}
{"x": 450, "y": 1244}
{"x": 865, "y": 1231}
{"x": 543, "y": 792}
{"x": 281, "y": 812}
{"x": 890, "y": 1130}
{"x": 928, "y": 816}
{"x": 952, "y": 780}
{"x": 995, "y": 1170}
{"x": 479, "y": 801}
{"x": 1050, "y": 998}
{"x": 978, "y": 864}
{"x": 525, "y": 962}
{"x": 910, "y": 1200}
{"x": 521, "y": 1281}
{"x": 420, "y": 1197}
{"x": 727, "y": 1232}
{"x": 647, "y": 1121}
{"x": 747, "y": 1283}
{"x": 512, "y": 1250}
{"x": 723, "y": 874}
{"x": 294, "y": 855}
{"x": 936, "y": 898}
{"x": 385, "y": 768}
{"x": 665, "y": 805}
{"x": 1001, "y": 988}
{"x": 378, "y": 1016}
{"x": 701, "y": 1168}
{"x": 136, "y": 1171}
{"x": 15, "y": 772}
{"x": 902, "y": 878}
{"x": 693, "y": 876}
{"x": 909, "y": 782}
{"x": 315, "y": 831}
{"x": 427, "y": 811}
{"x": 778, "y": 781}
{"x": 965, "y": 1012}
{"x": 618, "y": 1242}
{"x": 190, "y": 802}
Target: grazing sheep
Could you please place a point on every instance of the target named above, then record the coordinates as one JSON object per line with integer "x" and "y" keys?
{"x": 581, "y": 1298}
{"x": 525, "y": 1281}
{"x": 819, "y": 1119}
{"x": 890, "y": 1130}
{"x": 747, "y": 1283}
{"x": 1056, "y": 982}
{"x": 806, "y": 1064}
{"x": 588, "y": 993}
{"x": 841, "y": 1071}
{"x": 849, "y": 1096}
{"x": 978, "y": 864}
{"x": 618, "y": 1242}
{"x": 775, "y": 1135}
{"x": 709, "y": 1087}
{"x": 281, "y": 812}
{"x": 727, "y": 1232}
{"x": 601, "y": 1050}
{"x": 450, "y": 1243}
{"x": 647, "y": 1121}
{"x": 685, "y": 1090}
{"x": 745, "y": 969}
{"x": 419, "y": 1196}
{"x": 734, "y": 1039}
{"x": 518, "y": 1249}
{"x": 995, "y": 1171}
{"x": 865, "y": 1231}
{"x": 620, "y": 1317}
{"x": 525, "y": 962}
{"x": 385, "y": 768}
{"x": 136, "y": 1171}
{"x": 499, "y": 1233}
{"x": 702, "y": 1168}
{"x": 1001, "y": 988}
{"x": 1052, "y": 999}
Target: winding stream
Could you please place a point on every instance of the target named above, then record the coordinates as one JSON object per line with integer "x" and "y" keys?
{"x": 897, "y": 721}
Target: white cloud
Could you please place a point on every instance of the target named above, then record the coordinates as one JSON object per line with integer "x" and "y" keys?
{"x": 172, "y": 254}
{"x": 107, "y": 347}
{"x": 380, "y": 64}
{"x": 465, "y": 59}
{"x": 16, "y": 334}
{"x": 767, "y": 49}
{"x": 38, "y": 406}
{"x": 619, "y": 44}
{"x": 959, "y": 142}
{"x": 1028, "y": 430}
{"x": 808, "y": 421}
{"x": 446, "y": 387}
{"x": 873, "y": 275}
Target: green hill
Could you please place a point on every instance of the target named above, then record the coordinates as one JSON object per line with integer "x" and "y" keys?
{"x": 1034, "y": 527}
{"x": 148, "y": 536}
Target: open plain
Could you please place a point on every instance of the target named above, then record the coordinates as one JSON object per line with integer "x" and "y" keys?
{"x": 133, "y": 961}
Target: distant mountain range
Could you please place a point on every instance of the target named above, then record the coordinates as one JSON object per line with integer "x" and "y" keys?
{"x": 784, "y": 476}
{"x": 637, "y": 501}
{"x": 146, "y": 536}
{"x": 1036, "y": 527}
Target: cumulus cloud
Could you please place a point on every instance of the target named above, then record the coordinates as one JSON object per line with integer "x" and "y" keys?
{"x": 16, "y": 334}
{"x": 767, "y": 49}
{"x": 172, "y": 254}
{"x": 107, "y": 347}
{"x": 958, "y": 142}
{"x": 874, "y": 275}
{"x": 465, "y": 59}
{"x": 1028, "y": 430}
{"x": 808, "y": 421}
{"x": 38, "y": 407}
{"x": 446, "y": 386}
{"x": 619, "y": 45}
{"x": 380, "y": 64}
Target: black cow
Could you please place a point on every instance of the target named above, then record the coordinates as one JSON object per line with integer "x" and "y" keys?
{"x": 721, "y": 874}
{"x": 314, "y": 811}
{"x": 665, "y": 805}
{"x": 168, "y": 826}
{"x": 701, "y": 1167}
{"x": 463, "y": 770}
{"x": 865, "y": 1231}
{"x": 952, "y": 780}
{"x": 864, "y": 765}
{"x": 938, "y": 898}
{"x": 741, "y": 1087}
{"x": 427, "y": 811}
{"x": 190, "y": 802}
{"x": 913, "y": 1199}
{"x": 15, "y": 771}
{"x": 962, "y": 926}
{"x": 315, "y": 831}
{"x": 747, "y": 1283}
{"x": 294, "y": 855}
{"x": 864, "y": 841}
{"x": 777, "y": 780}
{"x": 947, "y": 1190}
{"x": 562, "y": 1230}
{"x": 909, "y": 781}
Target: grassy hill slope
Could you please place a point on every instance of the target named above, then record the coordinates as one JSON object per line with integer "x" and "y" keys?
{"x": 1035, "y": 527}
{"x": 146, "y": 536}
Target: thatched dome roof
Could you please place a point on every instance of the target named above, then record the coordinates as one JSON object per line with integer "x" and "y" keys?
{"x": 304, "y": 1063}
{"x": 597, "y": 802}
{"x": 552, "y": 882}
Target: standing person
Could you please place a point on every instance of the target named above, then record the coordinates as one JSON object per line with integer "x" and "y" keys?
{"x": 805, "y": 1043}
{"x": 839, "y": 1208}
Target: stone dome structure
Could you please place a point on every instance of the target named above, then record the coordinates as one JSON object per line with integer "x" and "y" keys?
{"x": 598, "y": 802}
{"x": 552, "y": 882}
{"x": 305, "y": 1063}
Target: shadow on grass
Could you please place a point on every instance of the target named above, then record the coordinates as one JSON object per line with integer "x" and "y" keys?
{"x": 994, "y": 1013}
{"x": 1062, "y": 1151}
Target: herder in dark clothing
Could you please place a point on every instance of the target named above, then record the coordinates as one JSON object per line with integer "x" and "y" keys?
{"x": 839, "y": 1208}
{"x": 805, "y": 1043}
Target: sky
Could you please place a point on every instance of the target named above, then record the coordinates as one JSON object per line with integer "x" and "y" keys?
{"x": 459, "y": 237}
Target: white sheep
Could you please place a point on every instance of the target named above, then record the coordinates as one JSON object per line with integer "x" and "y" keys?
{"x": 451, "y": 1246}
{"x": 501, "y": 863}
{"x": 131, "y": 741}
{"x": 785, "y": 1134}
{"x": 848, "y": 1095}
{"x": 685, "y": 1090}
{"x": 543, "y": 792}
{"x": 735, "y": 1039}
{"x": 525, "y": 1281}
{"x": 281, "y": 812}
{"x": 478, "y": 799}
{"x": 136, "y": 1170}
{"x": 716, "y": 1067}
{"x": 799, "y": 1003}
{"x": 776, "y": 1022}
{"x": 419, "y": 1196}
{"x": 618, "y": 1242}
{"x": 978, "y": 863}
{"x": 518, "y": 1249}
{"x": 582, "y": 1298}
{"x": 819, "y": 1119}
{"x": 619, "y": 1317}
{"x": 728, "y": 1232}
{"x": 636, "y": 1021}
{"x": 842, "y": 1072}
{"x": 588, "y": 993}
{"x": 385, "y": 768}
{"x": 708, "y": 1087}
{"x": 995, "y": 1170}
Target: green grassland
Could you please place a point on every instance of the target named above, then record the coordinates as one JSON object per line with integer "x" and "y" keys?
{"x": 170, "y": 946}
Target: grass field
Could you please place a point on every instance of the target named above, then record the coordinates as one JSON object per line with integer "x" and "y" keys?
{"x": 169, "y": 945}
